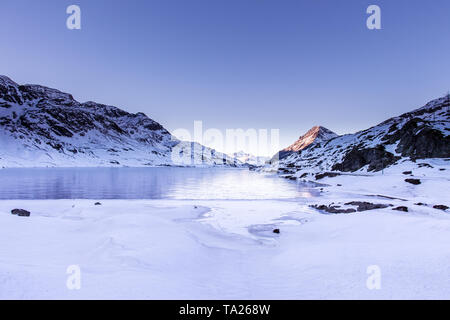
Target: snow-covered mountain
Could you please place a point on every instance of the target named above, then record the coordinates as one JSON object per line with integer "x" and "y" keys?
{"x": 419, "y": 134}
{"x": 316, "y": 134}
{"x": 248, "y": 158}
{"x": 40, "y": 126}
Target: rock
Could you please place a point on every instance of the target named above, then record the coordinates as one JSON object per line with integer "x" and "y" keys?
{"x": 276, "y": 231}
{"x": 339, "y": 185}
{"x": 97, "y": 204}
{"x": 21, "y": 212}
{"x": 419, "y": 141}
{"x": 441, "y": 207}
{"x": 332, "y": 209}
{"x": 420, "y": 204}
{"x": 413, "y": 181}
{"x": 425, "y": 165}
{"x": 327, "y": 174}
{"x": 364, "y": 206}
{"x": 441, "y": 169}
{"x": 401, "y": 208}
{"x": 377, "y": 158}
{"x": 407, "y": 172}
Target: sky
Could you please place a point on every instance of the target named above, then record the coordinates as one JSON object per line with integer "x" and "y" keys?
{"x": 250, "y": 64}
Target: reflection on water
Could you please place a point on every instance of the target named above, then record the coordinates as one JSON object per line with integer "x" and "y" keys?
{"x": 146, "y": 183}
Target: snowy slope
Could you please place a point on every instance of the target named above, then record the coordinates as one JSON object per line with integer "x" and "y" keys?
{"x": 40, "y": 126}
{"x": 191, "y": 249}
{"x": 419, "y": 134}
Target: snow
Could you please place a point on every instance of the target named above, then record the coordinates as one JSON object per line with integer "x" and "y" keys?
{"x": 249, "y": 158}
{"x": 225, "y": 249}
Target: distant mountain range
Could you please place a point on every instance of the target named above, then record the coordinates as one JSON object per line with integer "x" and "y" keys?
{"x": 248, "y": 158}
{"x": 419, "y": 134}
{"x": 40, "y": 126}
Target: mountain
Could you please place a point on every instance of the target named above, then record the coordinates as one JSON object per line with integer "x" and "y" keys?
{"x": 249, "y": 158}
{"x": 316, "y": 134}
{"x": 40, "y": 126}
{"x": 420, "y": 134}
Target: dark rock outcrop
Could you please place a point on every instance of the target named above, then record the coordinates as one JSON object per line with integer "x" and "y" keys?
{"x": 377, "y": 158}
{"x": 364, "y": 205}
{"x": 418, "y": 140}
{"x": 332, "y": 208}
{"x": 327, "y": 174}
{"x": 21, "y": 212}
{"x": 413, "y": 181}
{"x": 401, "y": 208}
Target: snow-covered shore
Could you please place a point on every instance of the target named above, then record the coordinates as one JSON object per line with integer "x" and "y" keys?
{"x": 177, "y": 249}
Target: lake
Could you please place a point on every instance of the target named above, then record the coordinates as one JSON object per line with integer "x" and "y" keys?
{"x": 146, "y": 183}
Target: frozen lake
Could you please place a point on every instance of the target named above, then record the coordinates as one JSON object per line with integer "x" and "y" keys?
{"x": 146, "y": 183}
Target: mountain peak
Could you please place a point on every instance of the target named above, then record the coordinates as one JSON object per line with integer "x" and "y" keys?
{"x": 315, "y": 134}
{"x": 5, "y": 81}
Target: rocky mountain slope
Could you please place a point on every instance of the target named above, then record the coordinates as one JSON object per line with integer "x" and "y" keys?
{"x": 419, "y": 134}
{"x": 40, "y": 126}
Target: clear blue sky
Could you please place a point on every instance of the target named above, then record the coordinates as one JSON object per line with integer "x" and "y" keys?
{"x": 236, "y": 63}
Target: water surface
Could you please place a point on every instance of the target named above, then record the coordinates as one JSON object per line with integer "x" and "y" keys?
{"x": 146, "y": 183}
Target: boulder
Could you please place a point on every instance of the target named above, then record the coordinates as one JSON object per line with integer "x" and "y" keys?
{"x": 413, "y": 181}
{"x": 441, "y": 207}
{"x": 401, "y": 208}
